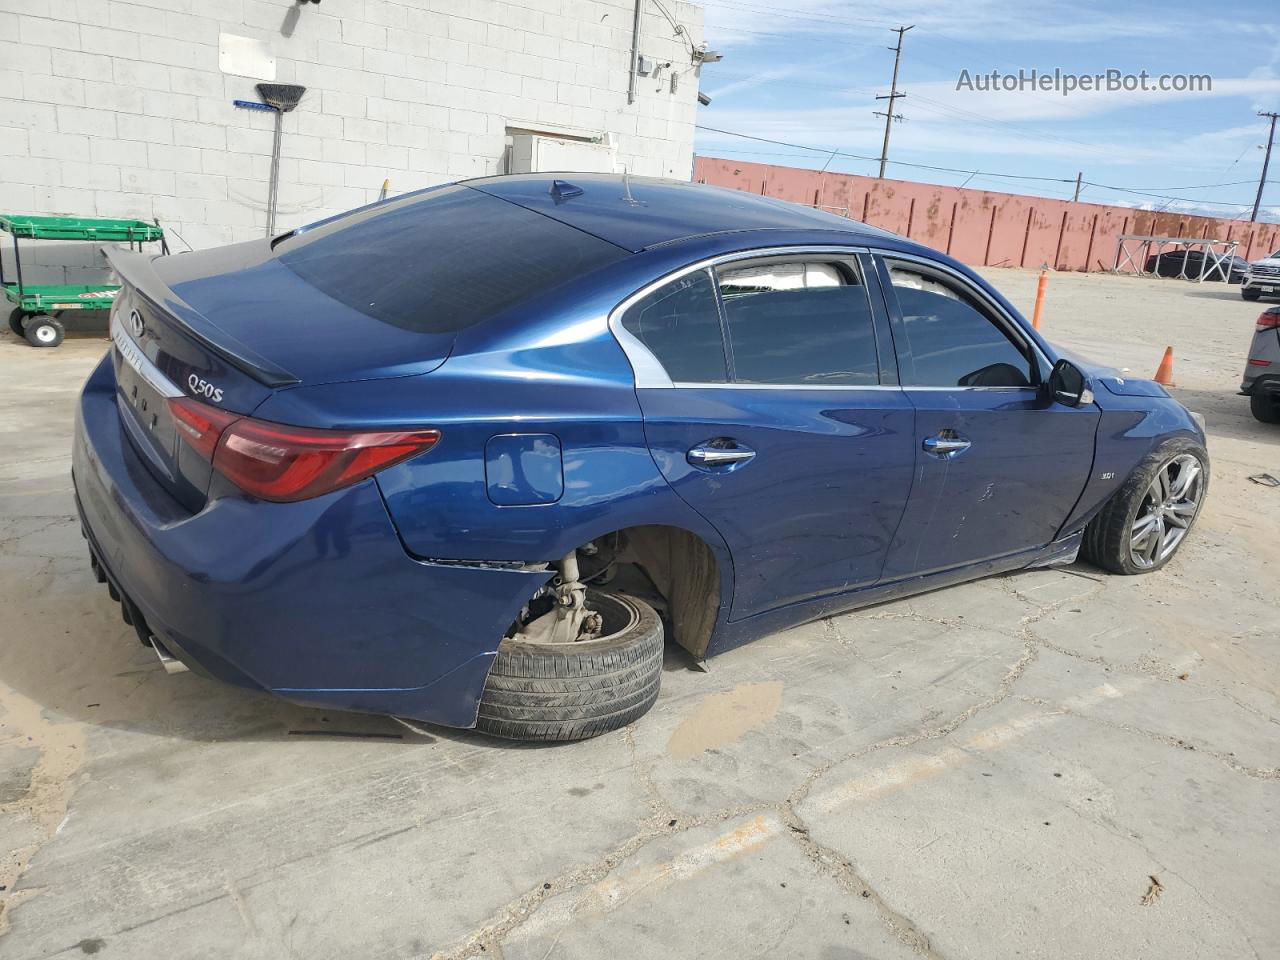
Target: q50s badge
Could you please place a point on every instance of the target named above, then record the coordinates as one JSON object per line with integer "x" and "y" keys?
{"x": 203, "y": 388}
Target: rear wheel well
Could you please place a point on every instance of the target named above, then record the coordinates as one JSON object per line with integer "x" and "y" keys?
{"x": 676, "y": 567}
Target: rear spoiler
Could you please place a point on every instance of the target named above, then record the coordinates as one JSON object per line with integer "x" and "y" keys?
{"x": 138, "y": 270}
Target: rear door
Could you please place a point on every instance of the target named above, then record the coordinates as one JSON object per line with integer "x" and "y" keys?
{"x": 999, "y": 466}
{"x": 771, "y": 406}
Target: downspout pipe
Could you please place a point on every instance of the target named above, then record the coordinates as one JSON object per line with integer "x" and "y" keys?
{"x": 635, "y": 52}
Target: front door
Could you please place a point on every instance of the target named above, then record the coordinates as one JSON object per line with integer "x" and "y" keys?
{"x": 999, "y": 465}
{"x": 781, "y": 424}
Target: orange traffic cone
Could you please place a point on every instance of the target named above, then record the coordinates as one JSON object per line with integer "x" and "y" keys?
{"x": 1044, "y": 281}
{"x": 1164, "y": 373}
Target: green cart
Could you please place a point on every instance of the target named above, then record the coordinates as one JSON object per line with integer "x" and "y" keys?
{"x": 37, "y": 308}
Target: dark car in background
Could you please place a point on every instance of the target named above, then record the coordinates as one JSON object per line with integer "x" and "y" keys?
{"x": 1197, "y": 265}
{"x": 468, "y": 455}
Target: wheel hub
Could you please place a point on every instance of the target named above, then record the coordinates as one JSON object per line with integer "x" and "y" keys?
{"x": 1167, "y": 511}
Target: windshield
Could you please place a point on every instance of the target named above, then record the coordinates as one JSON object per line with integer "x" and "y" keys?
{"x": 443, "y": 260}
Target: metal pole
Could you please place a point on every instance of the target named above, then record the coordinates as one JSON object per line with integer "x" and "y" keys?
{"x": 893, "y": 96}
{"x": 1079, "y": 177}
{"x": 1266, "y": 162}
{"x": 17, "y": 265}
{"x": 275, "y": 177}
{"x": 635, "y": 52}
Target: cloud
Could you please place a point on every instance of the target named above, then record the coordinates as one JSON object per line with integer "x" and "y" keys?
{"x": 748, "y": 21}
{"x": 768, "y": 76}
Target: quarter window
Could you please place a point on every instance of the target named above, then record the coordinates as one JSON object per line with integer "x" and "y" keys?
{"x": 952, "y": 340}
{"x": 798, "y": 323}
{"x": 680, "y": 325}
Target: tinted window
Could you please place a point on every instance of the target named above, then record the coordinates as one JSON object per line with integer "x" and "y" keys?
{"x": 953, "y": 342}
{"x": 441, "y": 261}
{"x": 800, "y": 324}
{"x": 680, "y": 326}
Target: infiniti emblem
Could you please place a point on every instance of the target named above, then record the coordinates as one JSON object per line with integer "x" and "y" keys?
{"x": 135, "y": 324}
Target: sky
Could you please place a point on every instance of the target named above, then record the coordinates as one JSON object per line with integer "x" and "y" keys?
{"x": 806, "y": 72}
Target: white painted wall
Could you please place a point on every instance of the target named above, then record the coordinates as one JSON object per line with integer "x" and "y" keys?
{"x": 120, "y": 109}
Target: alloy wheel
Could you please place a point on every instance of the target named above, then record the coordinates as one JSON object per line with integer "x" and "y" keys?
{"x": 1168, "y": 507}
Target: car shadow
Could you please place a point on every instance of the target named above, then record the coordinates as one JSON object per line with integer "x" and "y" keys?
{"x": 1232, "y": 294}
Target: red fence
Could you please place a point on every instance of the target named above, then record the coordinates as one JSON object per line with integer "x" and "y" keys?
{"x": 982, "y": 228}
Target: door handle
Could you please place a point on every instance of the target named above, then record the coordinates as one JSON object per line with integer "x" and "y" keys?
{"x": 719, "y": 453}
{"x": 945, "y": 445}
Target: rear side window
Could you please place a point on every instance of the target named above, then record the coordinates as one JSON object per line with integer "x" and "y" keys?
{"x": 953, "y": 341}
{"x": 442, "y": 261}
{"x": 799, "y": 324}
{"x": 679, "y": 324}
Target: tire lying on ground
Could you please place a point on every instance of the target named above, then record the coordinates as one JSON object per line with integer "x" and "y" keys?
{"x": 1109, "y": 539}
{"x": 572, "y": 691}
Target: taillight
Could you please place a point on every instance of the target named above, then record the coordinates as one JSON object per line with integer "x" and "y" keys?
{"x": 275, "y": 461}
{"x": 1268, "y": 320}
{"x": 200, "y": 424}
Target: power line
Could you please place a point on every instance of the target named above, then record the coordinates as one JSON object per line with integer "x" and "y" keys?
{"x": 858, "y": 156}
{"x": 969, "y": 173}
{"x": 784, "y": 36}
{"x": 932, "y": 106}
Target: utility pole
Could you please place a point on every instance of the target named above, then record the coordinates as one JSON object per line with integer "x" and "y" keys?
{"x": 892, "y": 96}
{"x": 1079, "y": 177}
{"x": 1266, "y": 162}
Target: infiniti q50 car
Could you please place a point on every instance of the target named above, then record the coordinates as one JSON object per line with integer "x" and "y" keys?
{"x": 469, "y": 456}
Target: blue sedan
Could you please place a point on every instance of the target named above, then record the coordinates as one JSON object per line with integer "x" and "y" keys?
{"x": 471, "y": 455}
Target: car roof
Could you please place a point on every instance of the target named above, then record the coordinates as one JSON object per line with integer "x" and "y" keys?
{"x": 637, "y": 213}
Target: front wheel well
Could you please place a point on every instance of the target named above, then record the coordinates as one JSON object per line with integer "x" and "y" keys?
{"x": 676, "y": 565}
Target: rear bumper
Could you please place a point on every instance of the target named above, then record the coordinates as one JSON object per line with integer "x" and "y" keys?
{"x": 316, "y": 601}
{"x": 1269, "y": 382}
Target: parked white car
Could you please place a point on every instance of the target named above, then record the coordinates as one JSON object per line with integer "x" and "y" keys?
{"x": 1263, "y": 278}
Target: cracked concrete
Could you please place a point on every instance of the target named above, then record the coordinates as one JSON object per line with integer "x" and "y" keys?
{"x": 1055, "y": 764}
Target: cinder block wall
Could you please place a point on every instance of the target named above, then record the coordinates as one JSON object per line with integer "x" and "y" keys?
{"x": 120, "y": 109}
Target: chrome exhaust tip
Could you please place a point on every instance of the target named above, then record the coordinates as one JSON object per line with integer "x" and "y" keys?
{"x": 167, "y": 660}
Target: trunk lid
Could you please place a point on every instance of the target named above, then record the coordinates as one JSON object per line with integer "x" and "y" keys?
{"x": 230, "y": 327}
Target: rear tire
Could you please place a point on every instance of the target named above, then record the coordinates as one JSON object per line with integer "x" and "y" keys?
{"x": 1265, "y": 406}
{"x": 42, "y": 330}
{"x": 15, "y": 321}
{"x": 1248, "y": 294}
{"x": 1109, "y": 537}
{"x": 572, "y": 691}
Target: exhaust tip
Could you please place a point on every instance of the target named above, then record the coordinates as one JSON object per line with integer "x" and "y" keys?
{"x": 167, "y": 660}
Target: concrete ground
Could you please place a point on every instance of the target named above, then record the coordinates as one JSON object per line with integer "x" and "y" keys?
{"x": 1057, "y": 764}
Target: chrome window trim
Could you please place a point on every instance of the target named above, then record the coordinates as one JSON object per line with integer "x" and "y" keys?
{"x": 649, "y": 372}
{"x": 131, "y": 353}
{"x": 978, "y": 293}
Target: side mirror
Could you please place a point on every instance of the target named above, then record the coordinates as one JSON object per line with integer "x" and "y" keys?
{"x": 1068, "y": 385}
